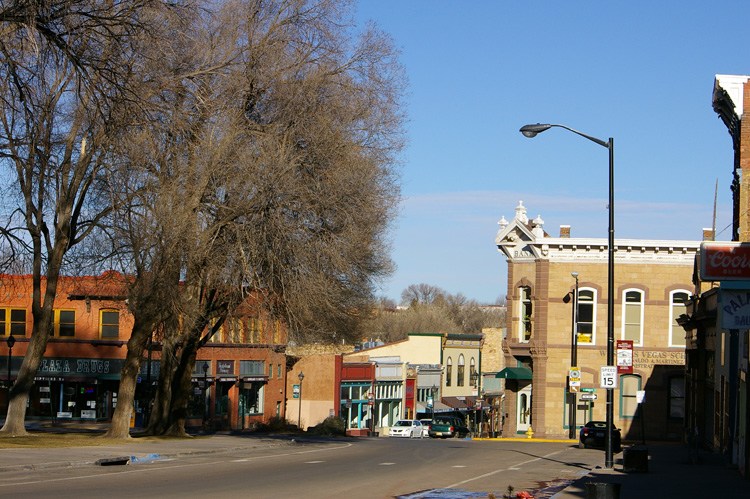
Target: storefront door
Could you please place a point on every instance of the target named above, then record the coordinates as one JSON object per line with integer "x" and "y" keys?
{"x": 523, "y": 409}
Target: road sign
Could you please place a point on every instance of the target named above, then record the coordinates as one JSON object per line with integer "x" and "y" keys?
{"x": 608, "y": 377}
{"x": 575, "y": 373}
{"x": 588, "y": 396}
{"x": 624, "y": 356}
{"x": 588, "y": 389}
{"x": 573, "y": 389}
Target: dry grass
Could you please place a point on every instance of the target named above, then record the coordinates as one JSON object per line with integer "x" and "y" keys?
{"x": 48, "y": 440}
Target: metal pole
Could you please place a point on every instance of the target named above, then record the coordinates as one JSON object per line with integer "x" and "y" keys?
{"x": 608, "y": 458}
{"x": 299, "y": 409}
{"x": 574, "y": 361}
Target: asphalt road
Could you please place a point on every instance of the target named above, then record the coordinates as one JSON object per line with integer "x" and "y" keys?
{"x": 351, "y": 468}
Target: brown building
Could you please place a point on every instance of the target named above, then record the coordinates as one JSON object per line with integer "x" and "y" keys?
{"x": 652, "y": 286}
{"x": 245, "y": 362}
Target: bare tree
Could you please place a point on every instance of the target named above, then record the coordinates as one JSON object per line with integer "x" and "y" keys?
{"x": 269, "y": 166}
{"x": 68, "y": 70}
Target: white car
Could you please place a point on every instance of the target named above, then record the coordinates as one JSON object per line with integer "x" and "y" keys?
{"x": 425, "y": 427}
{"x": 410, "y": 428}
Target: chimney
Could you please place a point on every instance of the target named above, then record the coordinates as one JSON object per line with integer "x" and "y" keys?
{"x": 565, "y": 231}
{"x": 708, "y": 234}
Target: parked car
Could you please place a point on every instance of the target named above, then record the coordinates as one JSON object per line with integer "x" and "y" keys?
{"x": 410, "y": 428}
{"x": 425, "y": 427}
{"x": 448, "y": 427}
{"x": 594, "y": 434}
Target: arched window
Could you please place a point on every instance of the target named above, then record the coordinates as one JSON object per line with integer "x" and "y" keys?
{"x": 472, "y": 371}
{"x": 524, "y": 314}
{"x": 678, "y": 299}
{"x": 448, "y": 371}
{"x": 461, "y": 373}
{"x": 586, "y": 316}
{"x": 632, "y": 317}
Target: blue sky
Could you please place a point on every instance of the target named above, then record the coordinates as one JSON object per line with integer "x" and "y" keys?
{"x": 641, "y": 72}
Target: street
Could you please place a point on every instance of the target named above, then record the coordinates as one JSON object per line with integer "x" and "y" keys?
{"x": 363, "y": 468}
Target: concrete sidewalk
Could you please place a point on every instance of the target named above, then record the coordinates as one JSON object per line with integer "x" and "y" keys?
{"x": 670, "y": 475}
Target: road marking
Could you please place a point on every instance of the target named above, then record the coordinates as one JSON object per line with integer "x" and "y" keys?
{"x": 459, "y": 466}
{"x": 314, "y": 462}
{"x": 510, "y": 468}
{"x": 387, "y": 464}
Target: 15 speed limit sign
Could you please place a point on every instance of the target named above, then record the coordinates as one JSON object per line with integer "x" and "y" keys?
{"x": 608, "y": 377}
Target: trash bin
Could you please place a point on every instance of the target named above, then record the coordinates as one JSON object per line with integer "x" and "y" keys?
{"x": 635, "y": 459}
{"x": 602, "y": 490}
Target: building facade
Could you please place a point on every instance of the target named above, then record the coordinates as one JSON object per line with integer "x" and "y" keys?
{"x": 557, "y": 309}
{"x": 239, "y": 377}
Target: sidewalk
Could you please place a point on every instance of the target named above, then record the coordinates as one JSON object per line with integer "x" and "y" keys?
{"x": 669, "y": 474}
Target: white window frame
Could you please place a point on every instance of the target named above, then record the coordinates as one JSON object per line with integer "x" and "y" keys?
{"x": 593, "y": 316}
{"x": 673, "y": 319}
{"x": 641, "y": 303}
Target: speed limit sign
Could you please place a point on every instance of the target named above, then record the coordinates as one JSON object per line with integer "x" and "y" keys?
{"x": 608, "y": 377}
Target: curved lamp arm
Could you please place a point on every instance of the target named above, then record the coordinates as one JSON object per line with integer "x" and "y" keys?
{"x": 532, "y": 130}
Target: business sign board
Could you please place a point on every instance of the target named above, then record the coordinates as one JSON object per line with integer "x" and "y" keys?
{"x": 735, "y": 309}
{"x": 624, "y": 356}
{"x": 724, "y": 261}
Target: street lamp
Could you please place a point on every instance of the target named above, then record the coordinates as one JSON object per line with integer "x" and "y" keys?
{"x": 574, "y": 359}
{"x": 474, "y": 377}
{"x": 205, "y": 392}
{"x": 532, "y": 131}
{"x": 299, "y": 410}
{"x": 11, "y": 341}
{"x": 433, "y": 390}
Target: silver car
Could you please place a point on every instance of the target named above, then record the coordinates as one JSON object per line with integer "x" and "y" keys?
{"x": 410, "y": 428}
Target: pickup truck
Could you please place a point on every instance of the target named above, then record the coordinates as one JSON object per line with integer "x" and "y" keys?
{"x": 448, "y": 427}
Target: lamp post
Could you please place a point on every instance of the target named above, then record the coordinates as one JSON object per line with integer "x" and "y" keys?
{"x": 11, "y": 341}
{"x": 205, "y": 392}
{"x": 574, "y": 359}
{"x": 531, "y": 131}
{"x": 474, "y": 377}
{"x": 299, "y": 409}
{"x": 432, "y": 393}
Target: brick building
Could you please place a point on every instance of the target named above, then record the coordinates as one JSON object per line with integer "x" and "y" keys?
{"x": 652, "y": 286}
{"x": 245, "y": 362}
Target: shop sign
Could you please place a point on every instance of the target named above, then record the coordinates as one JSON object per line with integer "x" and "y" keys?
{"x": 295, "y": 391}
{"x": 725, "y": 261}
{"x": 735, "y": 307}
{"x": 224, "y": 367}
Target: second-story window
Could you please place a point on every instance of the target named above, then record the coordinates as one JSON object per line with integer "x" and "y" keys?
{"x": 461, "y": 374}
{"x": 64, "y": 325}
{"x": 448, "y": 371}
{"x": 679, "y": 301}
{"x": 525, "y": 309}
{"x": 109, "y": 323}
{"x": 13, "y": 321}
{"x": 632, "y": 317}
{"x": 586, "y": 316}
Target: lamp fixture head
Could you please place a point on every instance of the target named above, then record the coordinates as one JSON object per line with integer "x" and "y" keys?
{"x": 531, "y": 130}
{"x": 301, "y": 376}
{"x": 574, "y": 274}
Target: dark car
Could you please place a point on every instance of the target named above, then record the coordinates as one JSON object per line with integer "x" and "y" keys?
{"x": 447, "y": 427}
{"x": 594, "y": 434}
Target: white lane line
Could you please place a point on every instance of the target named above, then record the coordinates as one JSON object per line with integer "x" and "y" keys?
{"x": 510, "y": 468}
{"x": 386, "y": 464}
{"x": 314, "y": 462}
{"x": 459, "y": 466}
{"x": 217, "y": 462}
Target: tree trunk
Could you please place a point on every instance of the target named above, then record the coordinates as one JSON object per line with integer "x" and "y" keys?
{"x": 181, "y": 389}
{"x": 120, "y": 425}
{"x": 159, "y": 419}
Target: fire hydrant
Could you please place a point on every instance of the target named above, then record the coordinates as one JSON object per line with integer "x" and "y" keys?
{"x": 529, "y": 432}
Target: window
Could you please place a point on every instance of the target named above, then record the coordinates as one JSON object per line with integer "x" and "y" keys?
{"x": 472, "y": 371}
{"x": 109, "y": 323}
{"x": 679, "y": 300}
{"x": 232, "y": 330}
{"x": 252, "y": 368}
{"x": 448, "y": 372}
{"x": 198, "y": 368}
{"x": 632, "y": 318}
{"x": 64, "y": 325}
{"x": 629, "y": 386}
{"x": 677, "y": 397}
{"x": 586, "y": 316}
{"x": 278, "y": 371}
{"x": 13, "y": 320}
{"x": 254, "y": 330}
{"x": 460, "y": 377}
{"x": 251, "y": 399}
{"x": 524, "y": 333}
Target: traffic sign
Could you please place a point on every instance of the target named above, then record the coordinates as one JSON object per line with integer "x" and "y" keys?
{"x": 588, "y": 389}
{"x": 588, "y": 396}
{"x": 608, "y": 377}
{"x": 573, "y": 389}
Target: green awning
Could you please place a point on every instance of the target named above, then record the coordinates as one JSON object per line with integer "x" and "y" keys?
{"x": 515, "y": 373}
